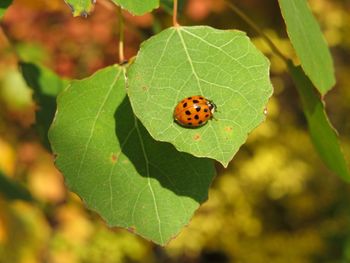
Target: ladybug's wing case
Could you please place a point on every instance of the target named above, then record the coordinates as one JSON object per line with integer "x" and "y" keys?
{"x": 192, "y": 112}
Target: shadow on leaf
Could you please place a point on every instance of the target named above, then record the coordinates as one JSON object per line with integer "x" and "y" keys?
{"x": 179, "y": 172}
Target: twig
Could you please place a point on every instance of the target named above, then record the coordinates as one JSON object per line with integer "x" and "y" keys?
{"x": 175, "y": 23}
{"x": 244, "y": 17}
{"x": 121, "y": 35}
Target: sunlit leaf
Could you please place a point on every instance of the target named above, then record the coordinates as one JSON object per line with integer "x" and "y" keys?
{"x": 223, "y": 66}
{"x": 81, "y": 7}
{"x": 323, "y": 134}
{"x": 309, "y": 43}
{"x": 138, "y": 7}
{"x": 113, "y": 164}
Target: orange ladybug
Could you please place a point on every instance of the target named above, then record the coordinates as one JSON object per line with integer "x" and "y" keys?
{"x": 194, "y": 111}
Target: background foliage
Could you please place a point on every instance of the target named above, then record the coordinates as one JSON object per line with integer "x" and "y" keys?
{"x": 276, "y": 200}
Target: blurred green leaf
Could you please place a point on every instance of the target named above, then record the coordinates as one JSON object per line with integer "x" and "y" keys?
{"x": 138, "y": 7}
{"x": 80, "y": 7}
{"x": 113, "y": 164}
{"x": 31, "y": 52}
{"x": 46, "y": 85}
{"x": 309, "y": 43}
{"x": 13, "y": 190}
{"x": 4, "y": 4}
{"x": 323, "y": 134}
{"x": 14, "y": 91}
{"x": 223, "y": 66}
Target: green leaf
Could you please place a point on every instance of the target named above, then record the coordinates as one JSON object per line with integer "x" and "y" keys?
{"x": 138, "y": 7}
{"x": 46, "y": 86}
{"x": 323, "y": 135}
{"x": 13, "y": 190}
{"x": 113, "y": 164}
{"x": 309, "y": 43}
{"x": 81, "y": 7}
{"x": 31, "y": 52}
{"x": 223, "y": 66}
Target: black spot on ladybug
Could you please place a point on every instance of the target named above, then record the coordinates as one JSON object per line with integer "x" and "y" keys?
{"x": 188, "y": 112}
{"x": 184, "y": 105}
{"x": 205, "y": 110}
{"x": 189, "y": 98}
{"x": 198, "y": 108}
{"x": 200, "y": 122}
{"x": 189, "y": 119}
{"x": 190, "y": 123}
{"x": 195, "y": 101}
{"x": 196, "y": 117}
{"x": 201, "y": 98}
{"x": 207, "y": 115}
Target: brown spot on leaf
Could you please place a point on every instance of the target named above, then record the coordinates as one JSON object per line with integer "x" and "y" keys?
{"x": 228, "y": 128}
{"x": 114, "y": 158}
{"x": 144, "y": 88}
{"x": 197, "y": 137}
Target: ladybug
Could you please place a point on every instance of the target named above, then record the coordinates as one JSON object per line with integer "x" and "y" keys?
{"x": 194, "y": 111}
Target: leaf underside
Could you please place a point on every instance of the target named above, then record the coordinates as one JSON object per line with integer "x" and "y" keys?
{"x": 323, "y": 135}
{"x": 223, "y": 66}
{"x": 114, "y": 165}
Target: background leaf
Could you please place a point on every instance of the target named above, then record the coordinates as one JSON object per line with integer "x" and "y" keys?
{"x": 46, "y": 85}
{"x": 112, "y": 163}
{"x": 80, "y": 7}
{"x": 138, "y": 7}
{"x": 309, "y": 43}
{"x": 323, "y": 134}
{"x": 4, "y": 4}
{"x": 223, "y": 66}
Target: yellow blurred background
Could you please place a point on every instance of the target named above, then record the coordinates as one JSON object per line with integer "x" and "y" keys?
{"x": 276, "y": 202}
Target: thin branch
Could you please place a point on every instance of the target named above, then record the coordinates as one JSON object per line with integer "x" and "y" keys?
{"x": 175, "y": 23}
{"x": 244, "y": 17}
{"x": 121, "y": 35}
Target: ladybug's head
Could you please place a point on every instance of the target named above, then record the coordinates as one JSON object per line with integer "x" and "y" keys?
{"x": 211, "y": 106}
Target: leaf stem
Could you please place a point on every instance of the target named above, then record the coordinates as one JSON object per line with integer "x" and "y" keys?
{"x": 255, "y": 27}
{"x": 175, "y": 23}
{"x": 121, "y": 35}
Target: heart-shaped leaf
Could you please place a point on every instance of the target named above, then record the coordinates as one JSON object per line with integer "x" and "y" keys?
{"x": 223, "y": 66}
{"x": 114, "y": 165}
